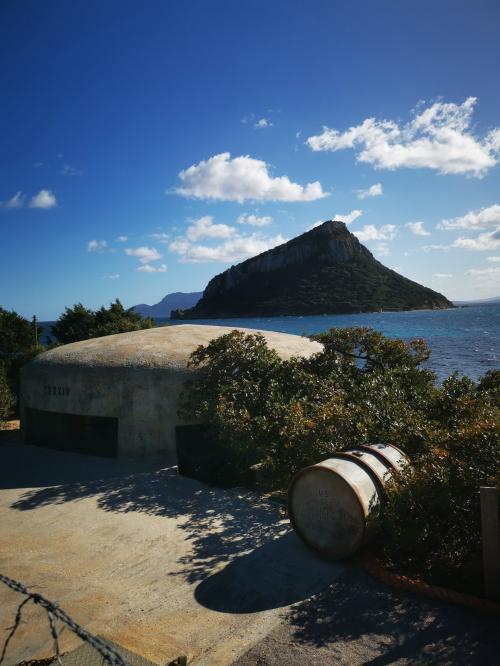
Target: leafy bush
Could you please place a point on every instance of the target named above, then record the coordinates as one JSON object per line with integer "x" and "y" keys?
{"x": 431, "y": 521}
{"x": 17, "y": 335}
{"x": 283, "y": 415}
{"x": 80, "y": 323}
{"x": 6, "y": 397}
{"x": 275, "y": 417}
{"x": 18, "y": 344}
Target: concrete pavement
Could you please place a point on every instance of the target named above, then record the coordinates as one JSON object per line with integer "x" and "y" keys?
{"x": 160, "y": 564}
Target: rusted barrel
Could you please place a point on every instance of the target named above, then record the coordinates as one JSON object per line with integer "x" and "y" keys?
{"x": 329, "y": 503}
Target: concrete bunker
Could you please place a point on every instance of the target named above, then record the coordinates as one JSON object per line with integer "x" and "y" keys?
{"x": 118, "y": 395}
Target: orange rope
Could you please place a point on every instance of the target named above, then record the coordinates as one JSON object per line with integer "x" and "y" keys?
{"x": 401, "y": 582}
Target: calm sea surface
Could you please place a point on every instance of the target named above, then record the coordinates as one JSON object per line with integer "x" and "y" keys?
{"x": 466, "y": 339}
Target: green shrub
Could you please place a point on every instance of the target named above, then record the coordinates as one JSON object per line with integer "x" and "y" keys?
{"x": 18, "y": 344}
{"x": 283, "y": 415}
{"x": 275, "y": 417}
{"x": 80, "y": 323}
{"x": 431, "y": 521}
{"x": 6, "y": 397}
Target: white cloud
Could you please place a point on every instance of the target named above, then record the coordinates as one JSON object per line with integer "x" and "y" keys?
{"x": 417, "y": 228}
{"x": 263, "y": 123}
{"x": 68, "y": 170}
{"x": 373, "y": 191}
{"x": 347, "y": 219}
{"x": 313, "y": 226}
{"x": 255, "y": 220}
{"x": 147, "y": 268}
{"x": 17, "y": 201}
{"x": 487, "y": 241}
{"x": 113, "y": 276}
{"x": 235, "y": 249}
{"x": 179, "y": 246}
{"x": 443, "y": 275}
{"x": 386, "y": 232}
{"x": 96, "y": 246}
{"x": 204, "y": 227}
{"x": 145, "y": 254}
{"x": 160, "y": 236}
{"x": 493, "y": 259}
{"x": 121, "y": 239}
{"x": 486, "y": 217}
{"x": 240, "y": 179}
{"x": 490, "y": 275}
{"x": 439, "y": 137}
{"x": 429, "y": 248}
{"x": 44, "y": 199}
{"x": 382, "y": 250}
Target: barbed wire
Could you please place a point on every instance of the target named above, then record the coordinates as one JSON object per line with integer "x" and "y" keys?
{"x": 109, "y": 654}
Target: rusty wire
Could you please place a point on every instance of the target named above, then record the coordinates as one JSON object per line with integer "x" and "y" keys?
{"x": 54, "y": 613}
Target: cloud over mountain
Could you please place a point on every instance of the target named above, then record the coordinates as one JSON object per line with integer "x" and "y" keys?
{"x": 240, "y": 179}
{"x": 386, "y": 232}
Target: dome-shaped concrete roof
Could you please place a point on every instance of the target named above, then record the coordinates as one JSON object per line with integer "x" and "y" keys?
{"x": 119, "y": 395}
{"x": 161, "y": 347}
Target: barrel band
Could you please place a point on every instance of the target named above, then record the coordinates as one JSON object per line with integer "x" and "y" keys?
{"x": 374, "y": 476}
{"x": 381, "y": 456}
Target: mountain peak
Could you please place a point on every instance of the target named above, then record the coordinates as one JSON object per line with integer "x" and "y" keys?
{"x": 328, "y": 227}
{"x": 325, "y": 270}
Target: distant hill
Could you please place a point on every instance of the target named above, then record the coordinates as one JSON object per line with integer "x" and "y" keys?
{"x": 323, "y": 271}
{"x": 170, "y": 302}
{"x": 483, "y": 301}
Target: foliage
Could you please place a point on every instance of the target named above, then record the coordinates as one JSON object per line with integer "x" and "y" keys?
{"x": 276, "y": 416}
{"x": 431, "y": 521}
{"x": 18, "y": 344}
{"x": 282, "y": 415}
{"x": 17, "y": 335}
{"x": 80, "y": 323}
{"x": 6, "y": 397}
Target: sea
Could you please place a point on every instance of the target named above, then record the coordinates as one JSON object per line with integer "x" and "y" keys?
{"x": 465, "y": 339}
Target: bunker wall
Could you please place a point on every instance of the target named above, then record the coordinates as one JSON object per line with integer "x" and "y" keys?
{"x": 145, "y": 402}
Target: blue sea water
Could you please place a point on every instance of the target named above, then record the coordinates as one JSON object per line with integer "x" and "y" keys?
{"x": 464, "y": 339}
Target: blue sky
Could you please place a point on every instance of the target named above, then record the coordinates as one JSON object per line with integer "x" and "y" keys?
{"x": 147, "y": 146}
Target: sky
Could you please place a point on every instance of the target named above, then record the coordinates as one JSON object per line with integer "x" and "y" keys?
{"x": 147, "y": 146}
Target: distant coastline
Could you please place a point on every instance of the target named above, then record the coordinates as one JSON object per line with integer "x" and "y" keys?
{"x": 465, "y": 339}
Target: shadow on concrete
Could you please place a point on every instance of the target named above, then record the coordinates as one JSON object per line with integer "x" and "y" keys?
{"x": 279, "y": 573}
{"x": 358, "y": 619}
{"x": 35, "y": 467}
{"x": 232, "y": 528}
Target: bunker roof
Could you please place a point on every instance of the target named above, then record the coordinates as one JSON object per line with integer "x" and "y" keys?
{"x": 161, "y": 347}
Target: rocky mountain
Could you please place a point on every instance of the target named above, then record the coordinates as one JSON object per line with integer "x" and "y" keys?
{"x": 174, "y": 301}
{"x": 323, "y": 271}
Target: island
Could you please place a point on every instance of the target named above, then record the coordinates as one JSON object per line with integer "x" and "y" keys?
{"x": 323, "y": 271}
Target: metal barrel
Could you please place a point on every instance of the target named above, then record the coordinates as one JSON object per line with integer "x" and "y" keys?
{"x": 329, "y": 503}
